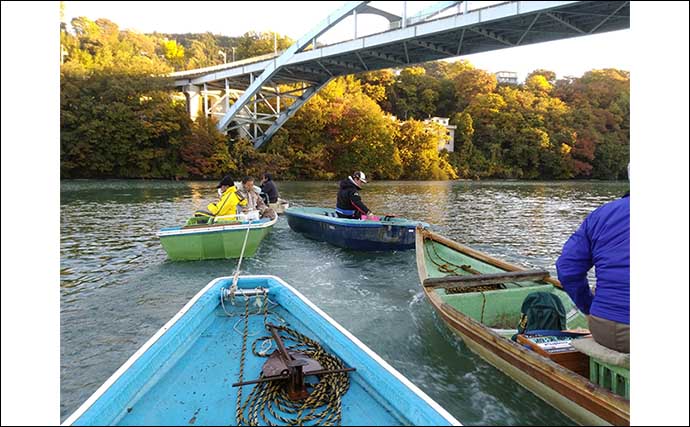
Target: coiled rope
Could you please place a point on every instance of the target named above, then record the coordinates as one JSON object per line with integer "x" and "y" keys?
{"x": 268, "y": 402}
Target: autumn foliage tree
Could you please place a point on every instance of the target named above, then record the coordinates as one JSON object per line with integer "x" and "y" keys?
{"x": 121, "y": 117}
{"x": 204, "y": 152}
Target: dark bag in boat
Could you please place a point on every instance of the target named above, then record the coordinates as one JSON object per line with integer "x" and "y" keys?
{"x": 541, "y": 310}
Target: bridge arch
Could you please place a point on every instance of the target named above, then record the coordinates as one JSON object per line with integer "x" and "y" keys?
{"x": 256, "y": 96}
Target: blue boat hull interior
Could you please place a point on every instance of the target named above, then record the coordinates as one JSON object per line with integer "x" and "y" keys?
{"x": 183, "y": 376}
{"x": 322, "y": 224}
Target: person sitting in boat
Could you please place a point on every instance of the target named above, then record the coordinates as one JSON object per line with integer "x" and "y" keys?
{"x": 349, "y": 203}
{"x": 602, "y": 241}
{"x": 268, "y": 189}
{"x": 229, "y": 201}
{"x": 254, "y": 200}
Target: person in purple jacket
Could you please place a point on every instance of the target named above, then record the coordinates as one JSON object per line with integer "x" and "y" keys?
{"x": 602, "y": 241}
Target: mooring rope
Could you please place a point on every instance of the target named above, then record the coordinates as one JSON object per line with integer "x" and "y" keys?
{"x": 450, "y": 267}
{"x": 236, "y": 275}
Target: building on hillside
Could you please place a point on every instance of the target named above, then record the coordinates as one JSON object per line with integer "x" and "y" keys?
{"x": 507, "y": 77}
{"x": 448, "y": 142}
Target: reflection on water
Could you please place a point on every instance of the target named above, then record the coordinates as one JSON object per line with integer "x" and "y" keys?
{"x": 118, "y": 288}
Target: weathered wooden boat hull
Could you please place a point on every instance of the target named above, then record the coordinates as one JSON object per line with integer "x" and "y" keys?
{"x": 214, "y": 241}
{"x": 183, "y": 374}
{"x": 572, "y": 394}
{"x": 280, "y": 206}
{"x": 363, "y": 235}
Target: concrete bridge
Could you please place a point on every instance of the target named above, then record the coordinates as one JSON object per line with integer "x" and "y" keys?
{"x": 256, "y": 96}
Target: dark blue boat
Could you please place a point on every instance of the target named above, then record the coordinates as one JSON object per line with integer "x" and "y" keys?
{"x": 386, "y": 234}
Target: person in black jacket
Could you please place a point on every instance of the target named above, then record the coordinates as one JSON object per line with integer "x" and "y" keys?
{"x": 349, "y": 203}
{"x": 269, "y": 188}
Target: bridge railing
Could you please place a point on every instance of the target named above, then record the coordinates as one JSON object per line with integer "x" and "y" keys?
{"x": 225, "y": 66}
{"x": 436, "y": 11}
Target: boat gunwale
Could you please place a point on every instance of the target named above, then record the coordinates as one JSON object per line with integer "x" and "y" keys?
{"x": 215, "y": 228}
{"x": 168, "y": 325}
{"x": 349, "y": 222}
{"x": 138, "y": 354}
{"x": 587, "y": 395}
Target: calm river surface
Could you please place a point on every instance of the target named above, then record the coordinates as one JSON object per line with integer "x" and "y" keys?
{"x": 118, "y": 288}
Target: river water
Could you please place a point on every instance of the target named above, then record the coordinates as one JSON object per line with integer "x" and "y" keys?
{"x": 118, "y": 288}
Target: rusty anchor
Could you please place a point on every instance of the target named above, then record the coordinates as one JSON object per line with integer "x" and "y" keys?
{"x": 292, "y": 366}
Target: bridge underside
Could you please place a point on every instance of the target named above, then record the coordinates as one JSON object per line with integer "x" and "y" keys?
{"x": 463, "y": 32}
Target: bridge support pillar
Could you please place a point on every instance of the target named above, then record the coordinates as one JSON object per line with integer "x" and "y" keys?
{"x": 192, "y": 92}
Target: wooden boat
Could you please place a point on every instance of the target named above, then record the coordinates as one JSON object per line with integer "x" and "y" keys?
{"x": 480, "y": 298}
{"x": 258, "y": 334}
{"x": 385, "y": 234}
{"x": 222, "y": 237}
{"x": 280, "y": 206}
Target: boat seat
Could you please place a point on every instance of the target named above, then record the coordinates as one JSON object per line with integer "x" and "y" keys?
{"x": 607, "y": 368}
{"x": 593, "y": 349}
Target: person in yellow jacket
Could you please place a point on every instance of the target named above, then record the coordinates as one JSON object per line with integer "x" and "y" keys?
{"x": 229, "y": 200}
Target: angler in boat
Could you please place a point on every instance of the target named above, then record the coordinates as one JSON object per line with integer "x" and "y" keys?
{"x": 268, "y": 188}
{"x": 228, "y": 203}
{"x": 270, "y": 195}
{"x": 254, "y": 200}
{"x": 349, "y": 203}
{"x": 222, "y": 231}
{"x": 603, "y": 242}
{"x": 522, "y": 322}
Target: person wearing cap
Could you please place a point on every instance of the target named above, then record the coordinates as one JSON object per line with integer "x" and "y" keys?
{"x": 602, "y": 242}
{"x": 349, "y": 203}
{"x": 230, "y": 199}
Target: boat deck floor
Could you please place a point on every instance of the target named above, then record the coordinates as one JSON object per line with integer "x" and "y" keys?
{"x": 196, "y": 386}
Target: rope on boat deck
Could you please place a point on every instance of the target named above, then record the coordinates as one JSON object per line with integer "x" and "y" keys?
{"x": 450, "y": 267}
{"x": 269, "y": 401}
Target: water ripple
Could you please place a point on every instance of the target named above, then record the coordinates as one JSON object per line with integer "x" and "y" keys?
{"x": 117, "y": 287}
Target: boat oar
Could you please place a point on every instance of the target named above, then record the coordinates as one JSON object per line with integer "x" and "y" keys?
{"x": 433, "y": 237}
{"x": 485, "y": 279}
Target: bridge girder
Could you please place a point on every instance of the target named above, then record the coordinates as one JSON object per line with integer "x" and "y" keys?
{"x": 447, "y": 29}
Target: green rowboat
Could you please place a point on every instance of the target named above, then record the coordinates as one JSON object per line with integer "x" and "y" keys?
{"x": 480, "y": 298}
{"x": 214, "y": 241}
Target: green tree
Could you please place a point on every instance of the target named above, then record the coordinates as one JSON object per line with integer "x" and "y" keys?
{"x": 341, "y": 130}
{"x": 203, "y": 52}
{"x": 470, "y": 83}
{"x": 600, "y": 106}
{"x": 204, "y": 152}
{"x": 375, "y": 84}
{"x": 538, "y": 83}
{"x": 121, "y": 118}
{"x": 467, "y": 160}
{"x": 173, "y": 52}
{"x": 119, "y": 125}
{"x": 418, "y": 144}
{"x": 255, "y": 43}
{"x": 414, "y": 94}
{"x": 550, "y": 76}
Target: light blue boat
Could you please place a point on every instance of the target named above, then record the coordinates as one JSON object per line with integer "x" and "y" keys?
{"x": 184, "y": 374}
